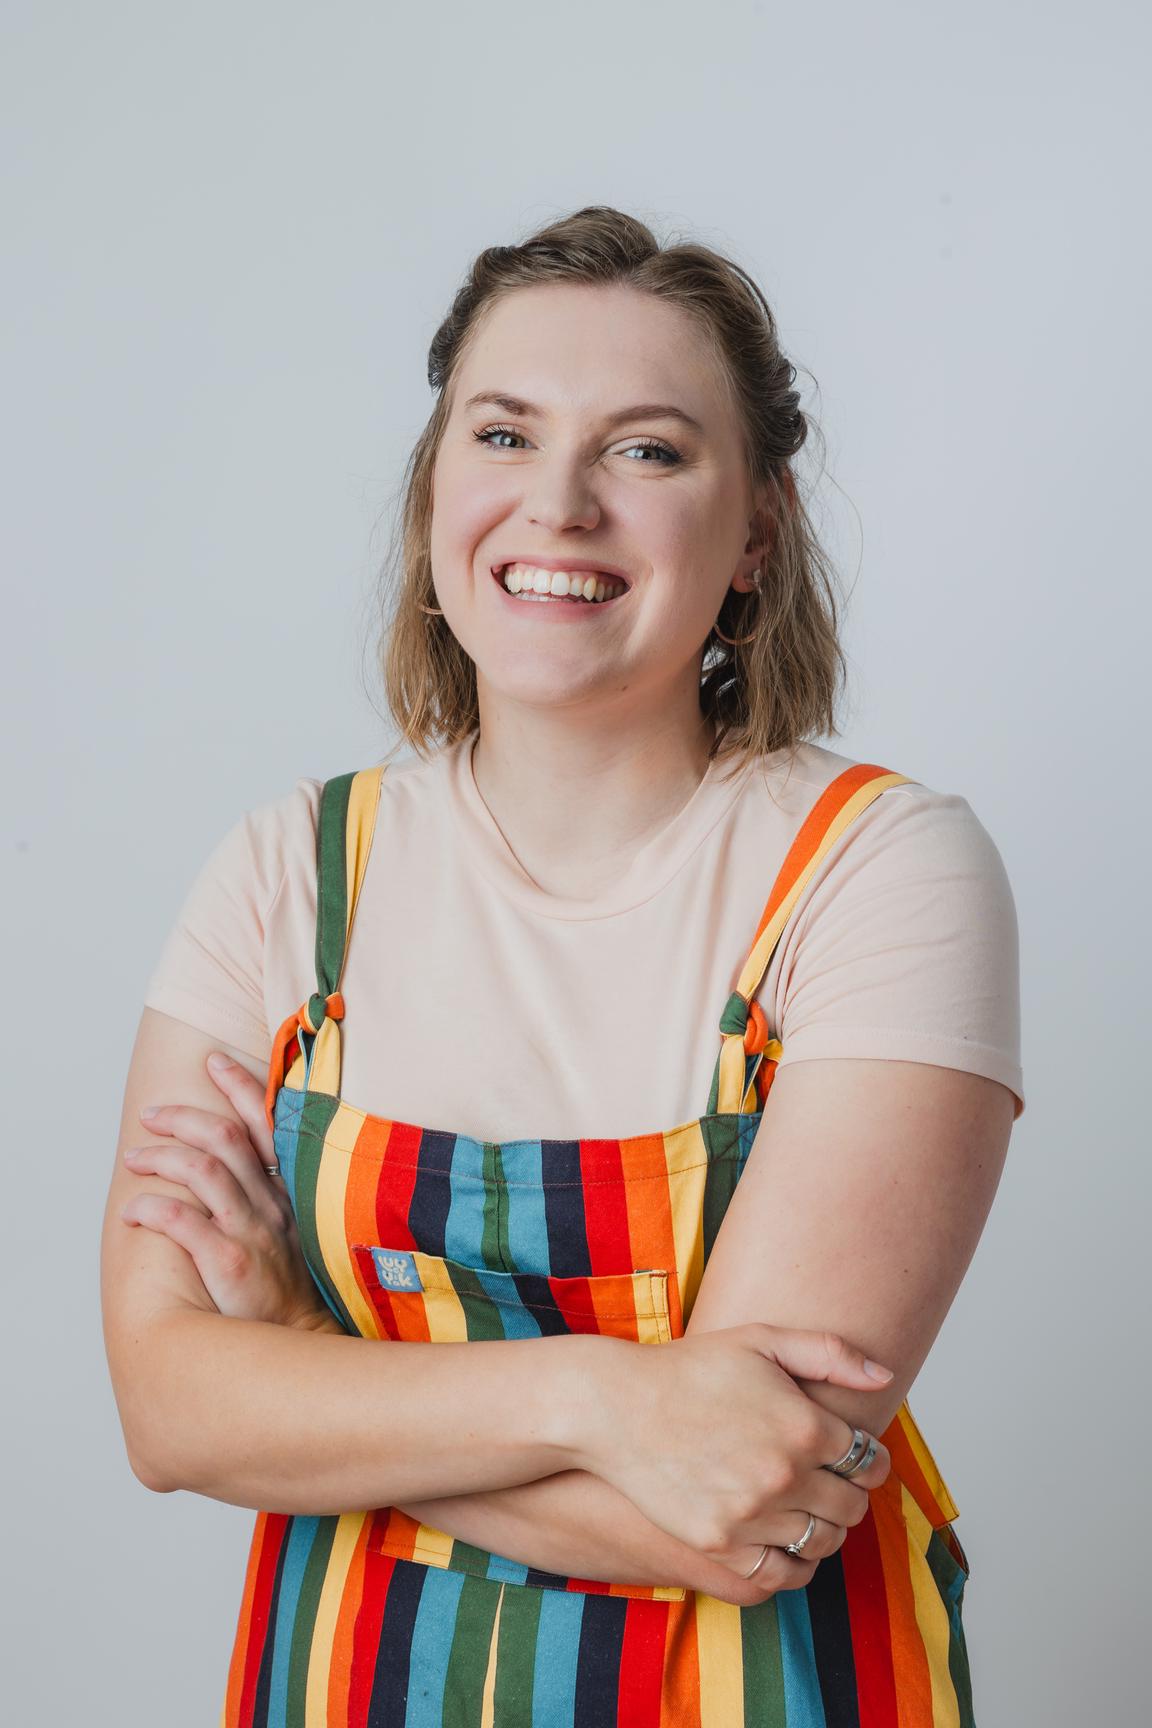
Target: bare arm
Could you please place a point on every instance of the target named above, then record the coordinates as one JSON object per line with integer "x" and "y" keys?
{"x": 858, "y": 1212}
{"x": 289, "y": 1420}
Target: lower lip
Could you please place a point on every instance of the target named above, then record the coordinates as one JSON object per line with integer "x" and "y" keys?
{"x": 558, "y": 610}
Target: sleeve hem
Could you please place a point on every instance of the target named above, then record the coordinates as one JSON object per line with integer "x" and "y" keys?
{"x": 212, "y": 1018}
{"x": 895, "y": 1045}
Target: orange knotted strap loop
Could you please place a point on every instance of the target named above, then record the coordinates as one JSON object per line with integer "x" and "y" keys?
{"x": 309, "y": 1017}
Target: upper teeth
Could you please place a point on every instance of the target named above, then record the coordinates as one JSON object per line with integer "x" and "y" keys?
{"x": 527, "y": 578}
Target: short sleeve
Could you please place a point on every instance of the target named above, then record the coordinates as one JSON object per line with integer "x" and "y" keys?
{"x": 211, "y": 970}
{"x": 905, "y": 944}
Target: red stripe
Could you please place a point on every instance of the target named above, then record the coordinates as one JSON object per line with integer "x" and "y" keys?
{"x": 605, "y": 1206}
{"x": 642, "y": 1665}
{"x": 397, "y": 1179}
{"x": 255, "y": 1633}
{"x": 378, "y": 1574}
{"x": 871, "y": 1627}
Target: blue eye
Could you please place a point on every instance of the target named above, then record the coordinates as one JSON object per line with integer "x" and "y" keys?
{"x": 667, "y": 455}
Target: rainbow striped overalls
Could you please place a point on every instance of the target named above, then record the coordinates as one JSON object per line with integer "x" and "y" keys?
{"x": 370, "y": 1620}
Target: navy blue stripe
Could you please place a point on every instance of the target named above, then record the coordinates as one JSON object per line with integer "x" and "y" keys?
{"x": 832, "y": 1643}
{"x": 432, "y": 1191}
{"x": 388, "y": 1704}
{"x": 598, "y": 1661}
{"x": 568, "y": 1253}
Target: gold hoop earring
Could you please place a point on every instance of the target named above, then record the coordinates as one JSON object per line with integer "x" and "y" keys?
{"x": 740, "y": 641}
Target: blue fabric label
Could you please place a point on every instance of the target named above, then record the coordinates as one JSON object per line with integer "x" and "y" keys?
{"x": 396, "y": 1270}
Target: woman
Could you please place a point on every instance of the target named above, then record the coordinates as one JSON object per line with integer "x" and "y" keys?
{"x": 625, "y": 889}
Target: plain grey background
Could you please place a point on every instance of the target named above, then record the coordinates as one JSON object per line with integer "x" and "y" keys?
{"x": 229, "y": 233}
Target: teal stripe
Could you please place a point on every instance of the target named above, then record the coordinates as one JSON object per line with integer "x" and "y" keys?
{"x": 518, "y": 1321}
{"x": 803, "y": 1706}
{"x": 299, "y": 1543}
{"x": 432, "y": 1648}
{"x": 557, "y": 1653}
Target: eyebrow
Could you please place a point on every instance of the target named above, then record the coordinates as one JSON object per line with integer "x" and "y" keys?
{"x": 638, "y": 411}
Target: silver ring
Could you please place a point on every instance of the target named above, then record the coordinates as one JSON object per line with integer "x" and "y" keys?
{"x": 858, "y": 1456}
{"x": 272, "y": 1169}
{"x": 796, "y": 1549}
{"x": 759, "y": 1563}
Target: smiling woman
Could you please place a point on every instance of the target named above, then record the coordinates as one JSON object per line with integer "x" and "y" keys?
{"x": 623, "y": 1028}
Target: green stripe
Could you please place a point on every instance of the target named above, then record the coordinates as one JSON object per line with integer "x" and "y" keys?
{"x": 481, "y": 1315}
{"x": 950, "y": 1581}
{"x": 721, "y": 1135}
{"x": 516, "y": 1657}
{"x": 763, "y": 1666}
{"x": 468, "y": 1662}
{"x": 494, "y": 1234}
{"x": 332, "y": 881}
{"x": 315, "y": 1118}
{"x": 304, "y": 1622}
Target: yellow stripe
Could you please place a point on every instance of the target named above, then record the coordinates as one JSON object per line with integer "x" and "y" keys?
{"x": 348, "y": 1528}
{"x": 332, "y": 1179}
{"x": 731, "y": 1076}
{"x": 488, "y": 1704}
{"x": 756, "y": 964}
{"x": 928, "y": 1464}
{"x": 326, "y": 1051}
{"x": 719, "y": 1646}
{"x": 931, "y": 1616}
{"x": 432, "y": 1545}
{"x": 686, "y": 1200}
{"x": 650, "y": 1299}
{"x": 363, "y": 798}
{"x": 443, "y": 1309}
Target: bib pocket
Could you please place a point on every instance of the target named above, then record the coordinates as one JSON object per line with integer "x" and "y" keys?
{"x": 428, "y": 1298}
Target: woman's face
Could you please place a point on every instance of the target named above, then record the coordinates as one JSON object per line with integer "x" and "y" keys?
{"x": 573, "y": 471}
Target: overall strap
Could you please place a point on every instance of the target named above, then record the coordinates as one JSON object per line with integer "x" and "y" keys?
{"x": 745, "y": 1043}
{"x": 344, "y": 829}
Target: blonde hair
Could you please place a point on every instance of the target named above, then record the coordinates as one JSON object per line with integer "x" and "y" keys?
{"x": 779, "y": 682}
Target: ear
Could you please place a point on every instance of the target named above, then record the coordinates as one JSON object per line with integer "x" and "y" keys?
{"x": 754, "y": 558}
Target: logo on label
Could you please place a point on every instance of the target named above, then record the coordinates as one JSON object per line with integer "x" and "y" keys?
{"x": 396, "y": 1270}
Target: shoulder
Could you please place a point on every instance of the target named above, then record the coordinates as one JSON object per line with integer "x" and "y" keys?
{"x": 910, "y": 832}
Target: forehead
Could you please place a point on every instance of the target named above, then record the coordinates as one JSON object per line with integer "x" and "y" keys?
{"x": 574, "y": 348}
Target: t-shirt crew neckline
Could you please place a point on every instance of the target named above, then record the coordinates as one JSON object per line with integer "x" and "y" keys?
{"x": 650, "y": 870}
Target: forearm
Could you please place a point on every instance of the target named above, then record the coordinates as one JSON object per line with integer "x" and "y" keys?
{"x": 574, "y": 1524}
{"x": 269, "y": 1417}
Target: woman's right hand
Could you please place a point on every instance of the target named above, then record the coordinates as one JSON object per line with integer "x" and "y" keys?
{"x": 710, "y": 1437}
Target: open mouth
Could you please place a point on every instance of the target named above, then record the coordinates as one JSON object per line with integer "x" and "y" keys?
{"x": 530, "y": 583}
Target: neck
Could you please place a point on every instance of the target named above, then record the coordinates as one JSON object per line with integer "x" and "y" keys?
{"x": 575, "y": 802}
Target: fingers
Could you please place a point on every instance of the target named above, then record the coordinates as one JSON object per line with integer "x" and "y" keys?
{"x": 808, "y": 1355}
{"x": 221, "y": 1138}
{"x": 205, "y": 1175}
{"x": 247, "y": 1098}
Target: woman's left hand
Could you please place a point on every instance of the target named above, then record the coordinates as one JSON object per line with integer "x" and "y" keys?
{"x": 247, "y": 1250}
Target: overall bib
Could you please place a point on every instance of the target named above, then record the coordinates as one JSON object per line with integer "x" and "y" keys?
{"x": 371, "y": 1620}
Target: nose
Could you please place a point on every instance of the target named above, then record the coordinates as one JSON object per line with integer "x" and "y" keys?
{"x": 560, "y": 496}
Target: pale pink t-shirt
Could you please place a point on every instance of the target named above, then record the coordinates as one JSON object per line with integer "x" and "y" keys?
{"x": 477, "y": 1003}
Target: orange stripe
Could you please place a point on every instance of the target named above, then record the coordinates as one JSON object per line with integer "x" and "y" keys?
{"x": 811, "y": 833}
{"x": 680, "y": 1701}
{"x": 910, "y": 1671}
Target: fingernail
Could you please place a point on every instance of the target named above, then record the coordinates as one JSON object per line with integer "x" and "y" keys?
{"x": 218, "y": 1063}
{"x": 875, "y": 1370}
{"x": 132, "y": 1152}
{"x": 152, "y": 1110}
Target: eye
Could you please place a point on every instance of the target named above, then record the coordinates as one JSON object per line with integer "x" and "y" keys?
{"x": 665, "y": 452}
